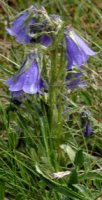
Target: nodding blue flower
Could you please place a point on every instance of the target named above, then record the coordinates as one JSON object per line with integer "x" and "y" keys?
{"x": 27, "y": 79}
{"x": 86, "y": 125}
{"x": 75, "y": 83}
{"x": 17, "y": 97}
{"x": 73, "y": 79}
{"x": 19, "y": 30}
{"x": 77, "y": 51}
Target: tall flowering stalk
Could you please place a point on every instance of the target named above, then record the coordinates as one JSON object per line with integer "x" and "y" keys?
{"x": 48, "y": 35}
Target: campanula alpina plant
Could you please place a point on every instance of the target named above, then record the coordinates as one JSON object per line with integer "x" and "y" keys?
{"x": 35, "y": 26}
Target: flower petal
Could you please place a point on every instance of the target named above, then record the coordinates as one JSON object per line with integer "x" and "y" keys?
{"x": 84, "y": 46}
{"x": 16, "y": 25}
{"x": 75, "y": 55}
{"x": 45, "y": 40}
{"x": 73, "y": 84}
{"x": 19, "y": 30}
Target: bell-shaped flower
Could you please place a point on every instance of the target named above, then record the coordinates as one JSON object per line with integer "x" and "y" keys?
{"x": 86, "y": 124}
{"x": 27, "y": 79}
{"x": 77, "y": 51}
{"x": 17, "y": 97}
{"x": 20, "y": 27}
{"x": 87, "y": 130}
{"x": 73, "y": 79}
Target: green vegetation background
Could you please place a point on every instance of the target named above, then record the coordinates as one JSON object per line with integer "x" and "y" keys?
{"x": 31, "y": 150}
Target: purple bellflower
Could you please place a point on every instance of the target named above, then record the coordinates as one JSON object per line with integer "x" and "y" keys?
{"x": 77, "y": 51}
{"x": 86, "y": 125}
{"x": 27, "y": 79}
{"x": 87, "y": 130}
{"x": 19, "y": 30}
{"x": 75, "y": 83}
{"x": 17, "y": 97}
{"x": 74, "y": 79}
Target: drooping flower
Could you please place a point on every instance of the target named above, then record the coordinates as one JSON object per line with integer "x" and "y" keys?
{"x": 73, "y": 79}
{"x": 19, "y": 30}
{"x": 75, "y": 83}
{"x": 87, "y": 130}
{"x": 77, "y": 51}
{"x": 17, "y": 97}
{"x": 27, "y": 79}
{"x": 86, "y": 124}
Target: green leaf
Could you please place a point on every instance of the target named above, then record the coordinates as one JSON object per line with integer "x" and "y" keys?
{"x": 19, "y": 197}
{"x": 98, "y": 184}
{"x": 86, "y": 97}
{"x": 60, "y": 187}
{"x": 79, "y": 159}
{"x": 92, "y": 175}
{"x": 68, "y": 149}
{"x": 5, "y": 70}
{"x": 85, "y": 191}
{"x": 2, "y": 189}
{"x": 73, "y": 179}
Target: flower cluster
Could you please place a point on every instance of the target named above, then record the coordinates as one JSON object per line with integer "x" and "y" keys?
{"x": 37, "y": 27}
